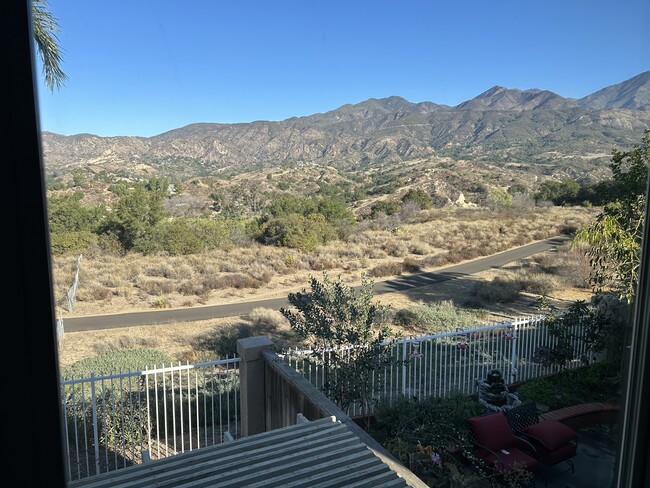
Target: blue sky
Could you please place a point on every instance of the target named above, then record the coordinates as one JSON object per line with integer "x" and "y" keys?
{"x": 143, "y": 67}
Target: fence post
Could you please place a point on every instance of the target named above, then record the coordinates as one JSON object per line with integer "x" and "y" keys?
{"x": 59, "y": 331}
{"x": 513, "y": 358}
{"x": 93, "y": 397}
{"x": 404, "y": 366}
{"x": 252, "y": 384}
{"x": 72, "y": 291}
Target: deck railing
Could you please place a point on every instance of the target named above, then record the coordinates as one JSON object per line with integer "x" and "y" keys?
{"x": 117, "y": 420}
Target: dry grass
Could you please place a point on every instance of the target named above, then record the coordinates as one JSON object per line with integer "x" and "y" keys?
{"x": 110, "y": 284}
{"x": 552, "y": 273}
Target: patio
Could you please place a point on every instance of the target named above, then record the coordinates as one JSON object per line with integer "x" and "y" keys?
{"x": 594, "y": 464}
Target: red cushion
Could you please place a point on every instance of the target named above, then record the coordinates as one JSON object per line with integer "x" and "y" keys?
{"x": 551, "y": 433}
{"x": 492, "y": 431}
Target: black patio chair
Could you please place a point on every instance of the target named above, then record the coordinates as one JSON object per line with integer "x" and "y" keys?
{"x": 554, "y": 441}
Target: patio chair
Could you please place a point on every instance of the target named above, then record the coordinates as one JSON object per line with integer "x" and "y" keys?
{"x": 498, "y": 447}
{"x": 553, "y": 441}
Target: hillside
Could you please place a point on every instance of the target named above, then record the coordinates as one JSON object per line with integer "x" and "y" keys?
{"x": 548, "y": 134}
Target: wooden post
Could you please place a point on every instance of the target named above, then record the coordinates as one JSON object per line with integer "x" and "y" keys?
{"x": 252, "y": 384}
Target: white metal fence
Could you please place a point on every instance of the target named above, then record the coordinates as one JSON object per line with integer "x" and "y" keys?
{"x": 440, "y": 364}
{"x": 117, "y": 420}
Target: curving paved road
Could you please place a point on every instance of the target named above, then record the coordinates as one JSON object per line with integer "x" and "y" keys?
{"x": 401, "y": 283}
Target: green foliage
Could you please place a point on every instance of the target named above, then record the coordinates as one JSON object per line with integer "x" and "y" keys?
{"x": 541, "y": 390}
{"x": 563, "y": 192}
{"x": 79, "y": 178}
{"x": 135, "y": 215}
{"x": 73, "y": 226}
{"x": 348, "y": 333}
{"x": 304, "y": 223}
{"x": 418, "y": 196}
{"x": 45, "y": 27}
{"x": 599, "y": 193}
{"x": 214, "y": 234}
{"x": 71, "y": 242}
{"x": 630, "y": 169}
{"x": 385, "y": 207}
{"x": 430, "y": 436}
{"x": 123, "y": 360}
{"x": 185, "y": 236}
{"x": 336, "y": 211}
{"x": 603, "y": 324}
{"x": 615, "y": 237}
{"x": 383, "y": 184}
{"x": 120, "y": 188}
{"x": 54, "y": 184}
{"x": 437, "y": 317}
{"x": 597, "y": 382}
{"x": 296, "y": 231}
{"x": 171, "y": 236}
{"x": 517, "y": 188}
{"x": 158, "y": 184}
{"x": 67, "y": 214}
{"x": 499, "y": 199}
{"x": 285, "y": 205}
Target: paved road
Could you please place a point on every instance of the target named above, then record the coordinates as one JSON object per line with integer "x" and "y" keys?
{"x": 401, "y": 283}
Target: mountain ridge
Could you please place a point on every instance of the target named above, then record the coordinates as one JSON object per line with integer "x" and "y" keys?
{"x": 633, "y": 93}
{"x": 501, "y": 125}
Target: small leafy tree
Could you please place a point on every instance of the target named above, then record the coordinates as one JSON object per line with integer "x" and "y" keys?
{"x": 599, "y": 324}
{"x": 349, "y": 336}
{"x": 336, "y": 211}
{"x": 499, "y": 199}
{"x": 615, "y": 237}
{"x": 296, "y": 231}
{"x": 135, "y": 216}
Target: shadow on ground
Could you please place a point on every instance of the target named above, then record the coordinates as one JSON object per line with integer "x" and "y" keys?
{"x": 594, "y": 464}
{"x": 461, "y": 291}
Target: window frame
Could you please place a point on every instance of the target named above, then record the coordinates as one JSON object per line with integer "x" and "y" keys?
{"x": 22, "y": 152}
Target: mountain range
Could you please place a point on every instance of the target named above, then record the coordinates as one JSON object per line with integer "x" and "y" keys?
{"x": 536, "y": 128}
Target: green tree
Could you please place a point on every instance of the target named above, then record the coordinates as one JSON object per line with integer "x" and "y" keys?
{"x": 67, "y": 214}
{"x": 348, "y": 332}
{"x": 335, "y": 211}
{"x": 563, "y": 192}
{"x": 182, "y": 236}
{"x": 499, "y": 199}
{"x": 614, "y": 239}
{"x": 585, "y": 330}
{"x": 385, "y": 207}
{"x": 296, "y": 231}
{"x": 46, "y": 27}
{"x": 418, "y": 196}
{"x": 135, "y": 215}
{"x": 517, "y": 188}
{"x": 283, "y": 205}
{"x": 337, "y": 214}
{"x": 159, "y": 184}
